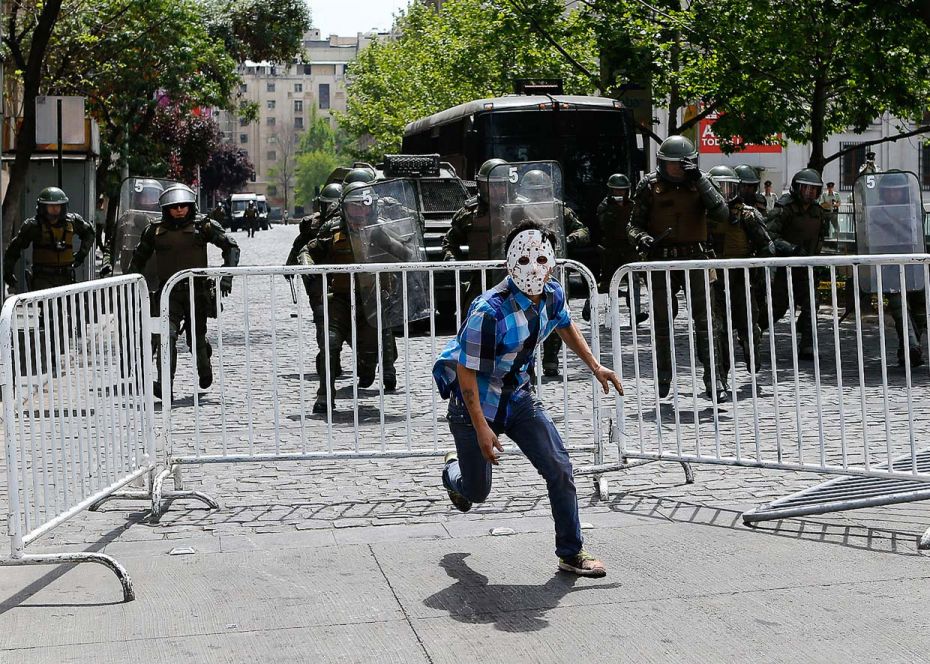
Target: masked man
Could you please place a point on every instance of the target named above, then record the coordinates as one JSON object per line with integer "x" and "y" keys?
{"x": 483, "y": 373}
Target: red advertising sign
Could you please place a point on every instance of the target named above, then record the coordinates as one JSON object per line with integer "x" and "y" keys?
{"x": 710, "y": 143}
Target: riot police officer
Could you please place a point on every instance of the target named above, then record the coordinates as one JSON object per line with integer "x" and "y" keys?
{"x": 671, "y": 209}
{"x": 743, "y": 235}
{"x": 470, "y": 224}
{"x": 51, "y": 234}
{"x": 333, "y": 246}
{"x": 613, "y": 216}
{"x": 889, "y": 220}
{"x": 361, "y": 174}
{"x": 327, "y": 204}
{"x": 142, "y": 208}
{"x": 749, "y": 187}
{"x": 798, "y": 225}
{"x": 251, "y": 218}
{"x": 178, "y": 241}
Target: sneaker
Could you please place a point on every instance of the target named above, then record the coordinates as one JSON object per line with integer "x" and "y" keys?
{"x": 551, "y": 370}
{"x": 583, "y": 564}
{"x": 461, "y": 503}
{"x": 366, "y": 380}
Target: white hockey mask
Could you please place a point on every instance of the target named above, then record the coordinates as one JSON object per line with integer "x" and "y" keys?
{"x": 530, "y": 261}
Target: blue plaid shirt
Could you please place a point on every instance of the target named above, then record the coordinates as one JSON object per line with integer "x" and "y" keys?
{"x": 498, "y": 340}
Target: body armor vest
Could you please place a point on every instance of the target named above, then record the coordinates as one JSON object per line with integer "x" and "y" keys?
{"x": 55, "y": 248}
{"x": 479, "y": 235}
{"x": 340, "y": 253}
{"x": 679, "y": 208}
{"x": 179, "y": 249}
{"x": 614, "y": 232}
{"x": 804, "y": 227}
{"x": 730, "y": 239}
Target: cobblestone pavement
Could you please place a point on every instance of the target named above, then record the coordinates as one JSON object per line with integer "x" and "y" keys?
{"x": 334, "y": 495}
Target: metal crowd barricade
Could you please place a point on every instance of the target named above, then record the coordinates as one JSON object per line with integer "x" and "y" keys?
{"x": 264, "y": 344}
{"x": 857, "y": 409}
{"x": 78, "y": 411}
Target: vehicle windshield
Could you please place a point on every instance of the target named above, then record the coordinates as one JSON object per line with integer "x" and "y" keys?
{"x": 589, "y": 144}
{"x": 240, "y": 206}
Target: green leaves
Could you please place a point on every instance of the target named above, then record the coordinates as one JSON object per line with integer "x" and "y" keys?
{"x": 471, "y": 49}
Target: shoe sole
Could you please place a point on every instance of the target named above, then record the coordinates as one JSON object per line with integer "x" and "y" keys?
{"x": 460, "y": 502}
{"x": 594, "y": 573}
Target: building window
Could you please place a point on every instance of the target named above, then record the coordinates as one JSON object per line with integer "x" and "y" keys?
{"x": 307, "y": 70}
{"x": 243, "y": 138}
{"x": 243, "y": 88}
{"x": 269, "y": 122}
{"x": 298, "y": 123}
{"x": 298, "y": 106}
{"x": 271, "y": 155}
{"x": 243, "y": 122}
{"x": 298, "y": 87}
{"x": 324, "y": 96}
{"x": 272, "y": 190}
{"x": 924, "y": 158}
{"x": 269, "y": 87}
{"x": 850, "y": 163}
{"x": 271, "y": 103}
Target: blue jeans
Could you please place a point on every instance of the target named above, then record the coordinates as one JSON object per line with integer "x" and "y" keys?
{"x": 531, "y": 428}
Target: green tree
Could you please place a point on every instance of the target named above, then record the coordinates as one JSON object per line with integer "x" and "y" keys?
{"x": 258, "y": 30}
{"x": 319, "y": 152}
{"x": 469, "y": 49}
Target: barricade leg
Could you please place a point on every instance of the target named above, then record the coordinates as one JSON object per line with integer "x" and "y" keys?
{"x": 162, "y": 499}
{"x": 81, "y": 557}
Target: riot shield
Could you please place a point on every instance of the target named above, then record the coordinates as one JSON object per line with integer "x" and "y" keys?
{"x": 385, "y": 227}
{"x": 889, "y": 220}
{"x": 138, "y": 206}
{"x": 525, "y": 191}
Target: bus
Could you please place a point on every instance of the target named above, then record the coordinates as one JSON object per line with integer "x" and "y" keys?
{"x": 591, "y": 137}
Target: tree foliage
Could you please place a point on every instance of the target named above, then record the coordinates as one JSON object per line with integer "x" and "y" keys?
{"x": 321, "y": 149}
{"x": 258, "y": 30}
{"x": 227, "y": 171}
{"x": 470, "y": 49}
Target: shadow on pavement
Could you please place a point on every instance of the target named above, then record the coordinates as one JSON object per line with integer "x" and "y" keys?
{"x": 510, "y": 607}
{"x": 866, "y": 538}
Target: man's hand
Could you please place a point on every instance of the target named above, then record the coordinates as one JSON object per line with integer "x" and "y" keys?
{"x": 10, "y": 280}
{"x": 226, "y": 286}
{"x": 690, "y": 167}
{"x": 487, "y": 442}
{"x": 78, "y": 260}
{"x": 606, "y": 377}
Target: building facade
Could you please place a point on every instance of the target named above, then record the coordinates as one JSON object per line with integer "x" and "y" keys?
{"x": 287, "y": 97}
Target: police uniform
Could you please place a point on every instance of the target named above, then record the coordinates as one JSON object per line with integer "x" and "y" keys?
{"x": 675, "y": 214}
{"x": 53, "y": 254}
{"x": 332, "y": 246}
{"x": 800, "y": 229}
{"x": 182, "y": 245}
{"x": 743, "y": 235}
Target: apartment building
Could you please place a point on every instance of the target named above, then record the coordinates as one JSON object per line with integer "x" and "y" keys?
{"x": 287, "y": 96}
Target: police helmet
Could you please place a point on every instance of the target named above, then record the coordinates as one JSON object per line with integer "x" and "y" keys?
{"x": 536, "y": 185}
{"x": 618, "y": 181}
{"x": 329, "y": 197}
{"x": 360, "y": 174}
{"x": 51, "y": 196}
{"x": 359, "y": 201}
{"x": 145, "y": 194}
{"x": 893, "y": 188}
{"x": 673, "y": 150}
{"x": 810, "y": 180}
{"x": 727, "y": 181}
{"x": 484, "y": 173}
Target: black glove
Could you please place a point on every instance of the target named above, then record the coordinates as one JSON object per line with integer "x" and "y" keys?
{"x": 106, "y": 271}
{"x": 225, "y": 286}
{"x": 78, "y": 260}
{"x": 645, "y": 243}
{"x": 785, "y": 248}
{"x": 10, "y": 280}
{"x": 690, "y": 167}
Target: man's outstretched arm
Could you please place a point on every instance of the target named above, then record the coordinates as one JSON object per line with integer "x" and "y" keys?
{"x": 573, "y": 338}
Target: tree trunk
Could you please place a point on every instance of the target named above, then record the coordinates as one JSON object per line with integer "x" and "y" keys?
{"x": 818, "y": 113}
{"x": 26, "y": 135}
